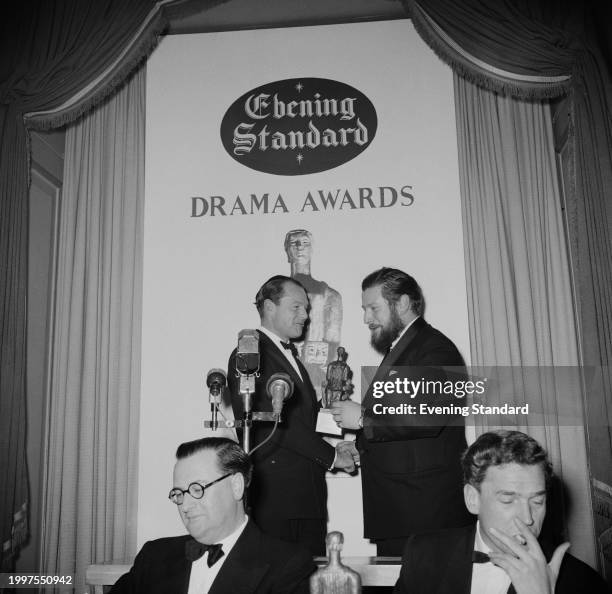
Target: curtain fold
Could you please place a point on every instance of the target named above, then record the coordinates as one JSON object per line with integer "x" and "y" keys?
{"x": 93, "y": 442}
{"x": 540, "y": 39}
{"x": 13, "y": 292}
{"x": 500, "y": 37}
{"x": 522, "y": 49}
{"x": 520, "y": 300}
{"x": 58, "y": 59}
{"x": 530, "y": 71}
{"x": 48, "y": 50}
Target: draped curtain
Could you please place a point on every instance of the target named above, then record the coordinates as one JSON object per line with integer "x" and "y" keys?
{"x": 48, "y": 51}
{"x": 530, "y": 51}
{"x": 58, "y": 59}
{"x": 519, "y": 287}
{"x": 93, "y": 443}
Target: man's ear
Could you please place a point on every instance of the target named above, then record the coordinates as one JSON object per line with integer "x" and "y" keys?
{"x": 269, "y": 306}
{"x": 403, "y": 304}
{"x": 471, "y": 496}
{"x": 237, "y": 485}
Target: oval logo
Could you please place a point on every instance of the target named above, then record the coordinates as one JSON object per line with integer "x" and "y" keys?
{"x": 298, "y": 126}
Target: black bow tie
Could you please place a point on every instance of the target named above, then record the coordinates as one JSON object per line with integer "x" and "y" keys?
{"x": 194, "y": 550}
{"x": 480, "y": 557}
{"x": 290, "y": 347}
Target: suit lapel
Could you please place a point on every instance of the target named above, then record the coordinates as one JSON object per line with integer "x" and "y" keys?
{"x": 175, "y": 578}
{"x": 242, "y": 571}
{"x": 457, "y": 577}
{"x": 284, "y": 365}
{"x": 398, "y": 350}
{"x": 382, "y": 373}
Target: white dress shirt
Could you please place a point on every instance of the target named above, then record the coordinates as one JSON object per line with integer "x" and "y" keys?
{"x": 486, "y": 577}
{"x": 202, "y": 576}
{"x": 402, "y": 334}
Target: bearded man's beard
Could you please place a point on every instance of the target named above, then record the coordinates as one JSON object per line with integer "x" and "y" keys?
{"x": 382, "y": 338}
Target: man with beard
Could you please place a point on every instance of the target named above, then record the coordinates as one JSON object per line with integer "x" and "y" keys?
{"x": 411, "y": 473}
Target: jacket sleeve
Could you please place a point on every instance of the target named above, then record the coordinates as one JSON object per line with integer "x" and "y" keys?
{"x": 422, "y": 400}
{"x": 293, "y": 433}
{"x": 132, "y": 581}
{"x": 293, "y": 577}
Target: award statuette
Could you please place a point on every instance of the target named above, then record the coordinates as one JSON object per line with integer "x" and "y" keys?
{"x": 335, "y": 578}
{"x": 337, "y": 386}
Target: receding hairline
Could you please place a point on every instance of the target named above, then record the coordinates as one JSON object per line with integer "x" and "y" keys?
{"x": 289, "y": 281}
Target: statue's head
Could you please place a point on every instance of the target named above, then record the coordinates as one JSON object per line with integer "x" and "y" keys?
{"x": 298, "y": 245}
{"x": 334, "y": 541}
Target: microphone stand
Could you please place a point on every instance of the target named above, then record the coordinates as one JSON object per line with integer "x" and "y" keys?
{"x": 246, "y": 390}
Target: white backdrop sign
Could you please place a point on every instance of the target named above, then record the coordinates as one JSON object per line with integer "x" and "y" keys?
{"x": 346, "y": 131}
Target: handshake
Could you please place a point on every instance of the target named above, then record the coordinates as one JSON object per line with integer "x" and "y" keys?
{"x": 347, "y": 456}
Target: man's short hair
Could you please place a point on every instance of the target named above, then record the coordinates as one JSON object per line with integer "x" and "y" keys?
{"x": 230, "y": 456}
{"x": 496, "y": 448}
{"x": 273, "y": 289}
{"x": 393, "y": 284}
{"x": 293, "y": 232}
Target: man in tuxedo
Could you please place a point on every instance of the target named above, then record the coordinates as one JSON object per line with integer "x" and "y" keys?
{"x": 225, "y": 551}
{"x": 506, "y": 475}
{"x": 288, "y": 497}
{"x": 411, "y": 475}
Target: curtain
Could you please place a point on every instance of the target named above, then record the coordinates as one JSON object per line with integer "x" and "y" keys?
{"x": 535, "y": 50}
{"x": 93, "y": 442}
{"x": 58, "y": 60}
{"x": 519, "y": 287}
{"x": 47, "y": 51}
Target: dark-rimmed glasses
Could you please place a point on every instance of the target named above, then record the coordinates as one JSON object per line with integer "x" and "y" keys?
{"x": 196, "y": 490}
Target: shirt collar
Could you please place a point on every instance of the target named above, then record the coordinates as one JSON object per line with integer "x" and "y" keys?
{"x": 273, "y": 337}
{"x": 230, "y": 540}
{"x": 403, "y": 332}
{"x": 479, "y": 543}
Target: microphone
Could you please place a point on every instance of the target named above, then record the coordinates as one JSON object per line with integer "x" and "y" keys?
{"x": 247, "y": 353}
{"x": 279, "y": 388}
{"x": 215, "y": 380}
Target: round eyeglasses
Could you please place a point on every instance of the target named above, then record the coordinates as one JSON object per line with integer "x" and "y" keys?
{"x": 196, "y": 490}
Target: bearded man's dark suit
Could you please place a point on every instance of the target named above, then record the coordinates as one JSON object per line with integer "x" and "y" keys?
{"x": 257, "y": 564}
{"x": 289, "y": 471}
{"x": 441, "y": 563}
{"x": 410, "y": 464}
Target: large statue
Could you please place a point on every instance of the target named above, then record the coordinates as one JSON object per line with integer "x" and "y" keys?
{"x": 322, "y": 336}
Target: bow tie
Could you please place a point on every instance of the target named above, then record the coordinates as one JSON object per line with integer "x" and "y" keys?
{"x": 194, "y": 550}
{"x": 290, "y": 347}
{"x": 480, "y": 557}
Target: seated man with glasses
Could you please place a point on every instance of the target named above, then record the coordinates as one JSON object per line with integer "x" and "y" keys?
{"x": 225, "y": 552}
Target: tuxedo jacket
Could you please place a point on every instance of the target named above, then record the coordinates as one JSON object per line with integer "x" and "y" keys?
{"x": 410, "y": 464}
{"x": 257, "y": 564}
{"x": 441, "y": 563}
{"x": 289, "y": 470}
